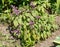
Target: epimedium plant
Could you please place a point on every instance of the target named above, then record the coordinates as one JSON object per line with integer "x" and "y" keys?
{"x": 29, "y": 27}
{"x": 30, "y": 23}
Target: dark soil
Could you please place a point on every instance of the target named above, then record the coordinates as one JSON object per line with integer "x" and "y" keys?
{"x": 49, "y": 42}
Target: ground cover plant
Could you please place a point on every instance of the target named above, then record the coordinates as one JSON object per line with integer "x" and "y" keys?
{"x": 28, "y": 20}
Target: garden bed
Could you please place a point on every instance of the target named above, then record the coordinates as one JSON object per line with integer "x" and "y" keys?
{"x": 29, "y": 22}
{"x": 6, "y": 41}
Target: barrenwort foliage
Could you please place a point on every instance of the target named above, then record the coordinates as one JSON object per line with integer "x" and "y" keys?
{"x": 28, "y": 20}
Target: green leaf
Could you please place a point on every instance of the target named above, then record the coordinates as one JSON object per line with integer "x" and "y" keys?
{"x": 15, "y": 22}
{"x": 35, "y": 13}
{"x": 32, "y": 18}
{"x": 58, "y": 46}
{"x": 42, "y": 35}
{"x": 45, "y": 34}
{"x": 34, "y": 2}
{"x": 3, "y": 1}
{"x": 57, "y": 40}
{"x": 27, "y": 14}
{"x": 20, "y": 21}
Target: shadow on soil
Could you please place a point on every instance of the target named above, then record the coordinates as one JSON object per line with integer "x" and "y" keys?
{"x": 55, "y": 44}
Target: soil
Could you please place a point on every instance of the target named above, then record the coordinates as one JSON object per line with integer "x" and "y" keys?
{"x": 46, "y": 43}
